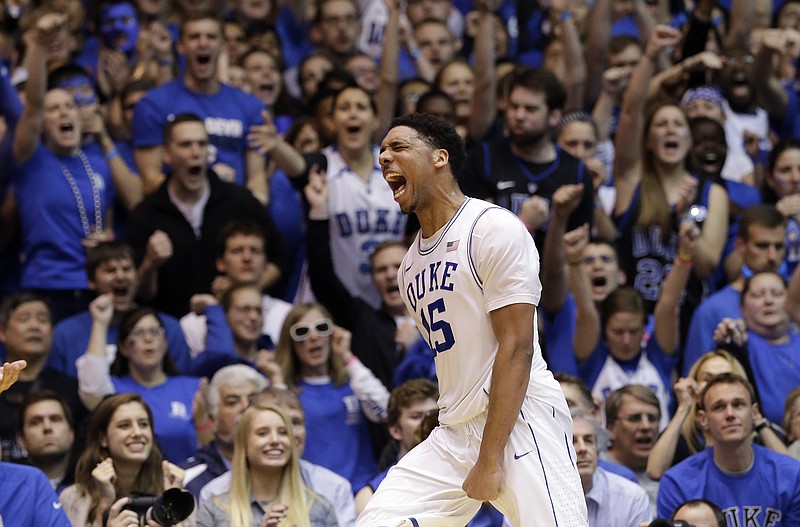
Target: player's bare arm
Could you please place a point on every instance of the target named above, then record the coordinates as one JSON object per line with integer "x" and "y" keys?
{"x": 513, "y": 326}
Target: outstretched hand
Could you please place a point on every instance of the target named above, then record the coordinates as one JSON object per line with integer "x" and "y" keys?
{"x": 10, "y": 373}
{"x": 316, "y": 193}
{"x": 263, "y": 137}
{"x": 731, "y": 331}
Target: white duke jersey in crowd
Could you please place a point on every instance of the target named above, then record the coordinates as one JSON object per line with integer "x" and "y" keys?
{"x": 362, "y": 215}
{"x": 481, "y": 260}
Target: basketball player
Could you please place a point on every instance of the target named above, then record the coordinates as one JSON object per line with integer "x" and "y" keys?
{"x": 470, "y": 280}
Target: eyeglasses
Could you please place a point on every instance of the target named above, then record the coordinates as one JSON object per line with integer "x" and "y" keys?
{"x": 605, "y": 258}
{"x": 742, "y": 59}
{"x": 302, "y": 332}
{"x": 248, "y": 310}
{"x": 635, "y": 419}
{"x": 150, "y": 332}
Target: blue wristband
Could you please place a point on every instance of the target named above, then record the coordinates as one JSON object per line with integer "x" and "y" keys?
{"x": 111, "y": 155}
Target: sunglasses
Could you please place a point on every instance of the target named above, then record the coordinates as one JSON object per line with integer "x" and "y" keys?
{"x": 321, "y": 328}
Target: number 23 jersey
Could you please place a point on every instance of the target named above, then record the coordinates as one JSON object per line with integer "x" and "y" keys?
{"x": 481, "y": 260}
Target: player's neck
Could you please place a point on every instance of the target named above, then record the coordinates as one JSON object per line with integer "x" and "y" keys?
{"x": 542, "y": 151}
{"x": 444, "y": 206}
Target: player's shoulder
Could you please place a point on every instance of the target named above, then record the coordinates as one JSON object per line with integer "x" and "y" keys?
{"x": 489, "y": 217}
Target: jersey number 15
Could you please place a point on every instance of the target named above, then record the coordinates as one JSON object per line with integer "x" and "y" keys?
{"x": 433, "y": 323}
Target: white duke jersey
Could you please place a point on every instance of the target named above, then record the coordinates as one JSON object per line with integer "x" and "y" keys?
{"x": 362, "y": 214}
{"x": 481, "y": 260}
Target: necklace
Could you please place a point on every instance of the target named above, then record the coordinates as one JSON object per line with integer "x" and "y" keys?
{"x": 98, "y": 213}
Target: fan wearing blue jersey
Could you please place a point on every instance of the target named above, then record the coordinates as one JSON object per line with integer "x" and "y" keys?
{"x": 470, "y": 280}
{"x": 752, "y": 485}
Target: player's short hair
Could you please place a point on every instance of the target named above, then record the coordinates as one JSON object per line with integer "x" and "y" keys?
{"x": 719, "y": 516}
{"x": 725, "y": 378}
{"x": 233, "y": 375}
{"x": 240, "y": 227}
{"x": 37, "y": 396}
{"x": 408, "y": 393}
{"x": 169, "y": 127}
{"x": 106, "y": 252}
{"x": 763, "y": 215}
{"x": 637, "y": 391}
{"x": 437, "y": 133}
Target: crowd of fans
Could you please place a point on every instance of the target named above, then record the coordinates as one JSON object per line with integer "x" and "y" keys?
{"x": 199, "y": 254}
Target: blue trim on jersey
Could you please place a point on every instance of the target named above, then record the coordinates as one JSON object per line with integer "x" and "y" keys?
{"x": 414, "y": 522}
{"x": 541, "y": 175}
{"x": 472, "y": 267}
{"x": 623, "y": 219}
{"x": 541, "y": 463}
{"x": 441, "y": 237}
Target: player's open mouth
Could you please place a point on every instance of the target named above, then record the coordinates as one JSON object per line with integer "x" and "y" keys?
{"x": 203, "y": 58}
{"x": 195, "y": 170}
{"x": 396, "y": 182}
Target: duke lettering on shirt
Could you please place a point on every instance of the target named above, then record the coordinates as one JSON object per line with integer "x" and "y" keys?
{"x": 752, "y": 516}
{"x": 224, "y": 127}
{"x": 431, "y": 279}
{"x": 365, "y": 221}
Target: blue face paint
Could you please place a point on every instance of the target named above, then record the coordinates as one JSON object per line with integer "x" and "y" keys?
{"x": 119, "y": 27}
{"x": 81, "y": 90}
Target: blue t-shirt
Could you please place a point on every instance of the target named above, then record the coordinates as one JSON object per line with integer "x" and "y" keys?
{"x": 337, "y": 433}
{"x": 171, "y": 404}
{"x": 768, "y": 494}
{"x": 71, "y": 338}
{"x": 27, "y": 499}
{"x": 559, "y": 328}
{"x": 776, "y": 371}
{"x": 52, "y": 226}
{"x": 710, "y": 312}
{"x": 227, "y": 115}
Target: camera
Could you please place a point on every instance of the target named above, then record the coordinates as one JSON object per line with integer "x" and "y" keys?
{"x": 172, "y": 507}
{"x": 696, "y": 214}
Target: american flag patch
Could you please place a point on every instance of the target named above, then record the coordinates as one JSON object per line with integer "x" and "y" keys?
{"x": 451, "y": 246}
